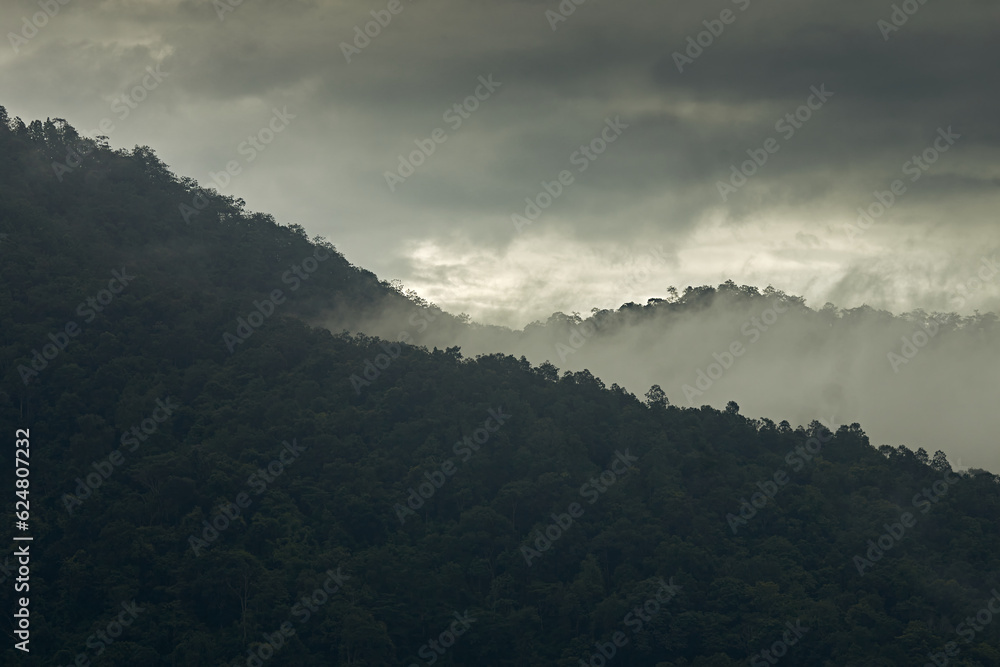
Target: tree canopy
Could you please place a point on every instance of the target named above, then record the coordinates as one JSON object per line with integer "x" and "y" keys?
{"x": 304, "y": 497}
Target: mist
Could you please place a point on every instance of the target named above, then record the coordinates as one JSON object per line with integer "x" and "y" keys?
{"x": 913, "y": 379}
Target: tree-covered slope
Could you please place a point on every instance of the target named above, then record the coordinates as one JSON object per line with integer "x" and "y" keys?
{"x": 305, "y": 498}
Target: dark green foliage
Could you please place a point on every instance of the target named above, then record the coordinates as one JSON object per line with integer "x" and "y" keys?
{"x": 332, "y": 509}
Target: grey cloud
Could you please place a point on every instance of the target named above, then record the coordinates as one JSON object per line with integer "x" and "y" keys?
{"x": 658, "y": 183}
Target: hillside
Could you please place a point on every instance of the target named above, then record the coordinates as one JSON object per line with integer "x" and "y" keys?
{"x": 216, "y": 481}
{"x": 915, "y": 379}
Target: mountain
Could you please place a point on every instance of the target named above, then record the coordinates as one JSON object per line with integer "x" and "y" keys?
{"x": 918, "y": 379}
{"x": 215, "y": 479}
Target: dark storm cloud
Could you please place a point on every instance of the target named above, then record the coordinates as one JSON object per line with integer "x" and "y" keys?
{"x": 657, "y": 184}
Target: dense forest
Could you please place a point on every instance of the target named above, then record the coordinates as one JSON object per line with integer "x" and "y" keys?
{"x": 917, "y": 378}
{"x": 216, "y": 480}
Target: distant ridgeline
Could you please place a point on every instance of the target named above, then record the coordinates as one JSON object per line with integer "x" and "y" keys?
{"x": 200, "y": 501}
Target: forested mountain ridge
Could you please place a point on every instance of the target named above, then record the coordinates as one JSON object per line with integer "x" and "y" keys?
{"x": 305, "y": 498}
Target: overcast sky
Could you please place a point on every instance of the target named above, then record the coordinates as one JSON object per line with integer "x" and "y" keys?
{"x": 646, "y": 213}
